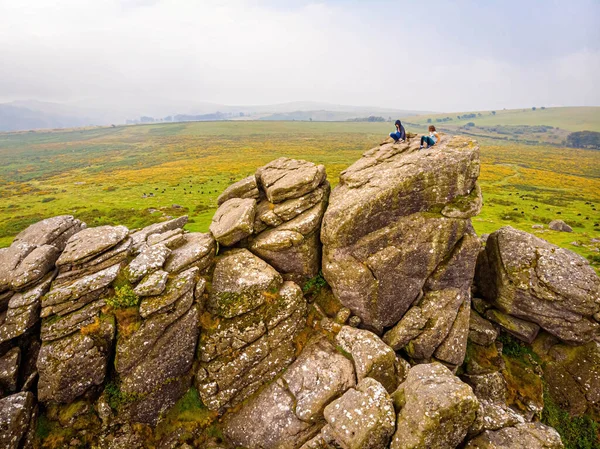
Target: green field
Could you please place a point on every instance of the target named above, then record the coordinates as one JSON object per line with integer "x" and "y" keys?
{"x": 136, "y": 175}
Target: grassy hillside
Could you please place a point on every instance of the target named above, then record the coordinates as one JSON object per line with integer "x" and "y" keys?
{"x": 137, "y": 175}
{"x": 570, "y": 119}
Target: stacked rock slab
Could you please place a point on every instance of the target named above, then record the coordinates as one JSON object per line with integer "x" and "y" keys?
{"x": 399, "y": 249}
{"x": 154, "y": 360}
{"x": 26, "y": 270}
{"x": 248, "y": 329}
{"x": 76, "y": 337}
{"x": 277, "y": 215}
{"x": 535, "y": 284}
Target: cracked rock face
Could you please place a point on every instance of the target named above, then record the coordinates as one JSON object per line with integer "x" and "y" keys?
{"x": 15, "y": 414}
{"x": 70, "y": 366}
{"x": 289, "y": 411}
{"x": 90, "y": 242}
{"x": 385, "y": 226}
{"x": 435, "y": 409}
{"x": 521, "y": 436}
{"x": 286, "y": 178}
{"x": 363, "y": 418}
{"x": 241, "y": 353}
{"x": 533, "y": 280}
{"x": 233, "y": 221}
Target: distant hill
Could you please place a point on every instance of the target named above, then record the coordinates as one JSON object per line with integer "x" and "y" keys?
{"x": 25, "y": 115}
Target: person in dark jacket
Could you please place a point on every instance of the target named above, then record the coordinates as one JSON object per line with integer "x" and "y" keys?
{"x": 400, "y": 134}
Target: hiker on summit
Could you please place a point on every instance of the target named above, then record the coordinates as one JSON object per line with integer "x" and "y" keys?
{"x": 400, "y": 134}
{"x": 431, "y": 139}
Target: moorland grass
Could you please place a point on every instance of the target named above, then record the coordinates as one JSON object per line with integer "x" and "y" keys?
{"x": 137, "y": 175}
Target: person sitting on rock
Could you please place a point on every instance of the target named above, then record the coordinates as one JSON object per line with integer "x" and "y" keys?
{"x": 431, "y": 139}
{"x": 400, "y": 134}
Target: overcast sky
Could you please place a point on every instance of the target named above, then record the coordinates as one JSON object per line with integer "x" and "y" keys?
{"x": 434, "y": 55}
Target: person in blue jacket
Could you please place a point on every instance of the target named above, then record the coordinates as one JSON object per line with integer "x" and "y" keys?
{"x": 400, "y": 134}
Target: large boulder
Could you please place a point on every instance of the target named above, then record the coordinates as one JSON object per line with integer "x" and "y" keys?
{"x": 34, "y": 252}
{"x": 233, "y": 221}
{"x": 435, "y": 409}
{"x": 286, "y": 178}
{"x": 521, "y": 436}
{"x": 392, "y": 220}
{"x": 533, "y": 280}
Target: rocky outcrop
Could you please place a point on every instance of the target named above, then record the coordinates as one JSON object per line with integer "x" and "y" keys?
{"x": 397, "y": 217}
{"x": 76, "y": 339}
{"x": 248, "y": 330}
{"x": 277, "y": 215}
{"x": 559, "y": 225}
{"x": 532, "y": 280}
{"x": 173, "y": 339}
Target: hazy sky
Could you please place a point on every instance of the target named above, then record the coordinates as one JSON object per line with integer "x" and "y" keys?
{"x": 434, "y": 55}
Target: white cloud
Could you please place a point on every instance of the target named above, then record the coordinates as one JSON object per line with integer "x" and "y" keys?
{"x": 159, "y": 54}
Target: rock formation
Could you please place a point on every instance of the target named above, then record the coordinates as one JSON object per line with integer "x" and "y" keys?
{"x": 422, "y": 337}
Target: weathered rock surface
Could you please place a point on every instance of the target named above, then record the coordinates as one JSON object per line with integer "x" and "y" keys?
{"x": 233, "y": 221}
{"x": 9, "y": 371}
{"x": 70, "y": 366}
{"x": 241, "y": 353}
{"x": 90, "y": 242}
{"x": 286, "y": 178}
{"x": 198, "y": 250}
{"x": 23, "y": 310}
{"x": 438, "y": 323}
{"x": 15, "y": 414}
{"x": 149, "y": 260}
{"x": 34, "y": 252}
{"x": 481, "y": 331}
{"x": 153, "y": 284}
{"x": 435, "y": 409}
{"x": 289, "y": 412}
{"x": 371, "y": 356}
{"x": 531, "y": 279}
{"x": 269, "y": 422}
{"x": 363, "y": 418}
{"x": 246, "y": 188}
{"x": 384, "y": 227}
{"x": 521, "y": 436}
{"x": 241, "y": 282}
{"x": 572, "y": 374}
{"x": 283, "y": 227}
{"x": 141, "y": 237}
